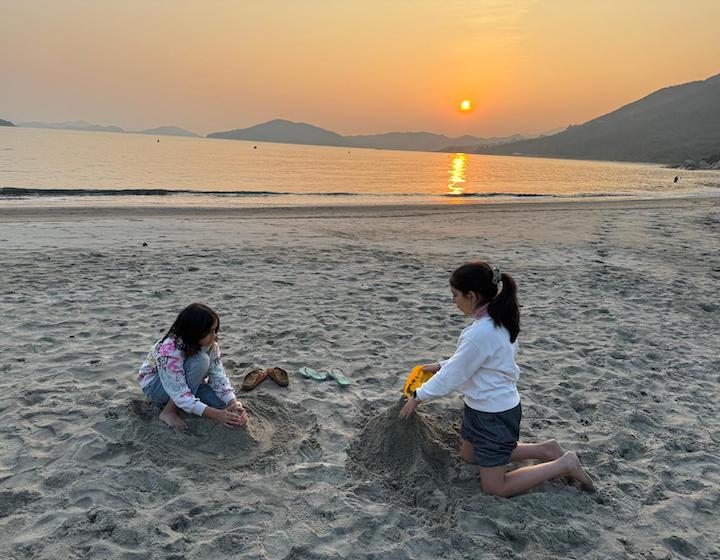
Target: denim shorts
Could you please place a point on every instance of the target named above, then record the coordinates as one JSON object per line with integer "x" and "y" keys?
{"x": 493, "y": 435}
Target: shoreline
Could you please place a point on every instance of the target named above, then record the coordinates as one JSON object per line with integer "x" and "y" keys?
{"x": 51, "y": 213}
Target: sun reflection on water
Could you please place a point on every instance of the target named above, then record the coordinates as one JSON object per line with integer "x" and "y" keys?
{"x": 457, "y": 175}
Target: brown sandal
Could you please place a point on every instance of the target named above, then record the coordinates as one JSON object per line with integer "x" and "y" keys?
{"x": 253, "y": 379}
{"x": 278, "y": 375}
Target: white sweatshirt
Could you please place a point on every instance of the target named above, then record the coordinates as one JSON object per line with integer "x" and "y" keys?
{"x": 483, "y": 368}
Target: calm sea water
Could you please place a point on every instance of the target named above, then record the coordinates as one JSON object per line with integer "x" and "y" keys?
{"x": 67, "y": 168}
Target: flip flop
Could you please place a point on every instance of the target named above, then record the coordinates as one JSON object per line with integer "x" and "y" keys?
{"x": 310, "y": 373}
{"x": 339, "y": 376}
{"x": 278, "y": 375}
{"x": 253, "y": 379}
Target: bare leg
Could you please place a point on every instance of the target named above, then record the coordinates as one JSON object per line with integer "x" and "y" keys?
{"x": 496, "y": 481}
{"x": 545, "y": 451}
{"x": 170, "y": 416}
{"x": 467, "y": 453}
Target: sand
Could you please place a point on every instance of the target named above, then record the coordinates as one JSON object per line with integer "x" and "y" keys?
{"x": 618, "y": 355}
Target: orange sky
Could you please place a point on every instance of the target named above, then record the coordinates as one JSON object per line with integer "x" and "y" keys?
{"x": 353, "y": 67}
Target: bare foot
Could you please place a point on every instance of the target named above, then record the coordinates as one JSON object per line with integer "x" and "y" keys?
{"x": 173, "y": 420}
{"x": 552, "y": 450}
{"x": 576, "y": 472}
{"x": 170, "y": 416}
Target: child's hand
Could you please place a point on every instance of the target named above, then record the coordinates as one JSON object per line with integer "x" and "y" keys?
{"x": 431, "y": 368}
{"x": 237, "y": 407}
{"x": 409, "y": 408}
{"x": 229, "y": 418}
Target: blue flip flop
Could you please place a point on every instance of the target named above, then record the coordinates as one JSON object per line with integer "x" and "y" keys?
{"x": 339, "y": 376}
{"x": 310, "y": 373}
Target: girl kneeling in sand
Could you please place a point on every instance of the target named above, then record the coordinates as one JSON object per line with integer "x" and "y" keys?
{"x": 484, "y": 369}
{"x": 177, "y": 365}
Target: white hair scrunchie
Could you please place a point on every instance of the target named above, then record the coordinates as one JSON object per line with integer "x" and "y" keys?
{"x": 497, "y": 276}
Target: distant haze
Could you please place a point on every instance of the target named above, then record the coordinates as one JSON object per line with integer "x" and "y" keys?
{"x": 351, "y": 67}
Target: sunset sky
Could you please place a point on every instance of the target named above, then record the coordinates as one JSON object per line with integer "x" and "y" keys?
{"x": 353, "y": 67}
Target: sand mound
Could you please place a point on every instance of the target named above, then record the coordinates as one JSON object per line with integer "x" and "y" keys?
{"x": 273, "y": 428}
{"x": 404, "y": 453}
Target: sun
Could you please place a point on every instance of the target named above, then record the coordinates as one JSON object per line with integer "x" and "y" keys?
{"x": 465, "y": 105}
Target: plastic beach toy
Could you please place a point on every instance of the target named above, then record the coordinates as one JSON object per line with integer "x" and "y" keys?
{"x": 415, "y": 380}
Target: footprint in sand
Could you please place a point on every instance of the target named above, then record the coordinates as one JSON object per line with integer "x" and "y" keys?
{"x": 15, "y": 500}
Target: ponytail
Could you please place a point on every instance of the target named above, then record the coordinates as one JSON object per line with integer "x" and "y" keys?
{"x": 498, "y": 289}
{"x": 504, "y": 309}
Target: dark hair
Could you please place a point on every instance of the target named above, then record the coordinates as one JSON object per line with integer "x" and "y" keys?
{"x": 503, "y": 308}
{"x": 192, "y": 324}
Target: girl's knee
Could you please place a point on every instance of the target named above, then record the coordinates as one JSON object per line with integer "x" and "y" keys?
{"x": 467, "y": 452}
{"x": 467, "y": 457}
{"x": 196, "y": 368}
{"x": 492, "y": 481}
{"x": 201, "y": 360}
{"x": 493, "y": 489}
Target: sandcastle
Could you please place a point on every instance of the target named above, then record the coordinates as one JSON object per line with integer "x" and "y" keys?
{"x": 404, "y": 452}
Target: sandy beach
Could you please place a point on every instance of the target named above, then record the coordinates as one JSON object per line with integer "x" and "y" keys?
{"x": 618, "y": 351}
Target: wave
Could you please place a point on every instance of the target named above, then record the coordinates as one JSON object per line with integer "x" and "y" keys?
{"x": 16, "y": 192}
{"x": 535, "y": 195}
{"x": 492, "y": 195}
{"x": 26, "y": 192}
{"x": 19, "y": 192}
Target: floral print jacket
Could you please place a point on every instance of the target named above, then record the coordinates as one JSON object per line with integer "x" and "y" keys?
{"x": 165, "y": 360}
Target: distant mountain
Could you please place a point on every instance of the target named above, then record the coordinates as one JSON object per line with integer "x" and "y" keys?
{"x": 5, "y": 123}
{"x": 86, "y": 126}
{"x": 301, "y": 133}
{"x": 422, "y": 141}
{"x": 72, "y": 125}
{"x": 671, "y": 125}
{"x": 494, "y": 141}
{"x": 167, "y": 131}
{"x": 286, "y": 132}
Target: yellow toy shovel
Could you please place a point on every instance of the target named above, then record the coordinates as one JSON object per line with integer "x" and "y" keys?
{"x": 415, "y": 380}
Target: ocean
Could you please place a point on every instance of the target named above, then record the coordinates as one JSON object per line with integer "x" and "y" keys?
{"x": 41, "y": 167}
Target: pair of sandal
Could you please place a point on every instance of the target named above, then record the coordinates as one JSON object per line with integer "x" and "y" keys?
{"x": 333, "y": 373}
{"x": 257, "y": 376}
